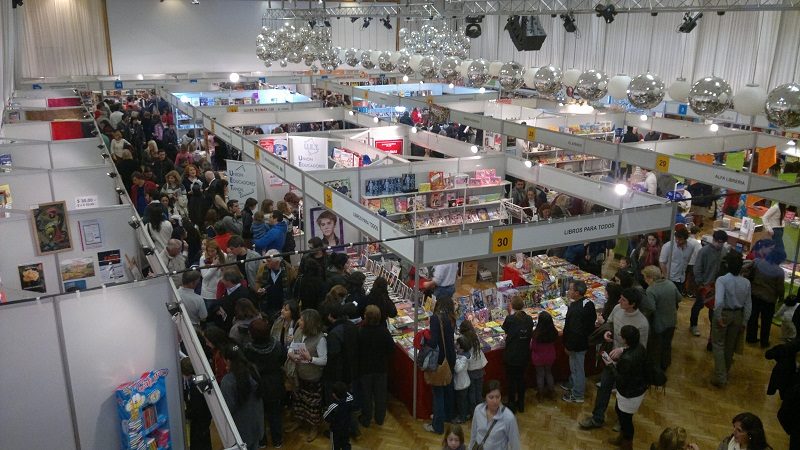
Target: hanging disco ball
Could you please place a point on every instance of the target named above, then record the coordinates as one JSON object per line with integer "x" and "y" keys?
{"x": 592, "y": 85}
{"x": 283, "y": 63}
{"x": 402, "y": 33}
{"x": 366, "y": 60}
{"x": 783, "y": 105}
{"x": 449, "y": 69}
{"x": 351, "y": 57}
{"x": 294, "y": 57}
{"x": 428, "y": 67}
{"x": 404, "y": 65}
{"x": 385, "y": 62}
{"x": 646, "y": 91}
{"x": 510, "y": 76}
{"x": 267, "y": 63}
{"x": 547, "y": 80}
{"x": 710, "y": 96}
{"x": 478, "y": 73}
{"x": 314, "y": 68}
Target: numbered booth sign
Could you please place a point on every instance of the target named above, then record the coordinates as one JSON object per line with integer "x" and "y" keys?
{"x": 502, "y": 240}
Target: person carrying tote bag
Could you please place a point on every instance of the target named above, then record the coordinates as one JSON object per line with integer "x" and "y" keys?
{"x": 442, "y": 332}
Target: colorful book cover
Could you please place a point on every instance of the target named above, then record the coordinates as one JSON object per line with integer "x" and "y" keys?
{"x": 475, "y": 182}
{"x": 401, "y": 204}
{"x": 388, "y": 205}
{"x": 374, "y": 204}
{"x": 451, "y": 199}
{"x": 436, "y": 200}
{"x": 424, "y": 187}
{"x": 436, "y": 179}
{"x": 420, "y": 202}
{"x": 408, "y": 182}
{"x": 460, "y": 180}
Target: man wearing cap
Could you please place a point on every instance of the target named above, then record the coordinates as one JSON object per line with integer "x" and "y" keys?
{"x": 706, "y": 269}
{"x": 273, "y": 284}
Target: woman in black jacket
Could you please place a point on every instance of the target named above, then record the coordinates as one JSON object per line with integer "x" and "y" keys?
{"x": 379, "y": 296}
{"x": 311, "y": 286}
{"x": 519, "y": 328}
{"x": 630, "y": 370}
{"x": 375, "y": 346}
{"x": 268, "y": 356}
{"x": 442, "y": 336}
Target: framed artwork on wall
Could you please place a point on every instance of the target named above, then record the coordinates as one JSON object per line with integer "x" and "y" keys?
{"x": 51, "y": 228}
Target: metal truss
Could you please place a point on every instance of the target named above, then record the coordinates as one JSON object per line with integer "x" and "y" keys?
{"x": 415, "y": 9}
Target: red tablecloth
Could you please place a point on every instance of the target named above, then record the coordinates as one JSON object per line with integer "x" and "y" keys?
{"x": 401, "y": 382}
{"x": 511, "y": 273}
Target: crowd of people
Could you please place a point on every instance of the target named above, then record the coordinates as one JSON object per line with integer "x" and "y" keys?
{"x": 309, "y": 340}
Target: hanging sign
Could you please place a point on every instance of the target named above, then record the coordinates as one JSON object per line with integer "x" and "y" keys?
{"x": 328, "y": 197}
{"x": 662, "y": 163}
{"x": 532, "y": 134}
{"x": 309, "y": 153}
{"x": 118, "y": 84}
{"x": 393, "y": 146}
{"x": 242, "y": 178}
{"x": 502, "y": 240}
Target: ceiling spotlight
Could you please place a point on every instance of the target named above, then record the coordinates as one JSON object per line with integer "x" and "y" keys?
{"x": 643, "y": 117}
{"x": 148, "y": 251}
{"x": 195, "y": 2}
{"x": 234, "y": 77}
{"x": 140, "y": 77}
{"x": 791, "y": 143}
{"x": 134, "y": 222}
{"x": 327, "y": 23}
{"x": 474, "y": 149}
{"x": 451, "y": 85}
{"x": 689, "y": 22}
{"x": 351, "y": 112}
{"x": 473, "y": 28}
{"x": 174, "y": 308}
{"x": 482, "y": 90}
{"x": 569, "y": 22}
{"x": 367, "y": 21}
{"x": 713, "y": 127}
{"x": 528, "y": 163}
{"x": 414, "y": 129}
{"x": 119, "y": 190}
{"x": 376, "y": 119}
{"x": 387, "y": 22}
{"x": 202, "y": 382}
{"x": 405, "y": 78}
{"x": 312, "y": 23}
{"x": 620, "y": 189}
{"x": 353, "y": 19}
{"x": 111, "y": 174}
{"x": 607, "y": 12}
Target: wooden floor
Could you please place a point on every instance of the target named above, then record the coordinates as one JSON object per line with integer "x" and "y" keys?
{"x": 690, "y": 401}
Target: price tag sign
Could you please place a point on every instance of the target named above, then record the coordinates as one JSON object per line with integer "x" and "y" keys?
{"x": 662, "y": 163}
{"x": 531, "y": 133}
{"x": 328, "y": 197}
{"x": 502, "y": 240}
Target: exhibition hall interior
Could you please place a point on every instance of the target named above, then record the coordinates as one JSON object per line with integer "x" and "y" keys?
{"x": 448, "y": 224}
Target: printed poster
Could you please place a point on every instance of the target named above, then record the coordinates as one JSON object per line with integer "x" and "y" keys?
{"x": 31, "y": 277}
{"x": 309, "y": 153}
{"x": 76, "y": 268}
{"x": 279, "y": 146}
{"x": 111, "y": 268}
{"x": 91, "y": 233}
{"x": 242, "y": 178}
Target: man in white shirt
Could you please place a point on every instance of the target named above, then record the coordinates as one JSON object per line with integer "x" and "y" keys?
{"x": 194, "y": 304}
{"x": 174, "y": 259}
{"x": 674, "y": 258}
{"x": 444, "y": 280}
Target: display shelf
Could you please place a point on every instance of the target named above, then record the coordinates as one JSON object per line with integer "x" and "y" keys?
{"x": 376, "y": 197}
{"x": 447, "y": 208}
{"x": 449, "y": 225}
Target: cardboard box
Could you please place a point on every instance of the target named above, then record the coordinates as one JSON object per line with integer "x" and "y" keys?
{"x": 469, "y": 270}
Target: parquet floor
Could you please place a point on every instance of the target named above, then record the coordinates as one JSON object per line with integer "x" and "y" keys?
{"x": 690, "y": 401}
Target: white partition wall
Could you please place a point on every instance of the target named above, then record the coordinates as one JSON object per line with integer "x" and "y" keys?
{"x": 34, "y": 392}
{"x": 38, "y": 131}
{"x": 61, "y": 382}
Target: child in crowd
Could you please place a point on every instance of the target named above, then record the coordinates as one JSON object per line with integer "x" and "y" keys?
{"x": 543, "y": 354}
{"x": 338, "y": 416}
{"x": 454, "y": 438}
{"x": 625, "y": 265}
{"x": 785, "y": 312}
{"x": 475, "y": 365}
{"x": 461, "y": 380}
{"x": 259, "y": 228}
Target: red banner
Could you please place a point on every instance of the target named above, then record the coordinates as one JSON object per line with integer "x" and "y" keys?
{"x": 393, "y": 146}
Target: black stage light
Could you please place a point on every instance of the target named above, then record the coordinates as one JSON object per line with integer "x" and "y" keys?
{"x": 607, "y": 12}
{"x": 473, "y": 28}
{"x": 366, "y": 23}
{"x": 387, "y": 22}
{"x": 689, "y": 22}
{"x": 526, "y": 32}
{"x": 353, "y": 19}
{"x": 569, "y": 23}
